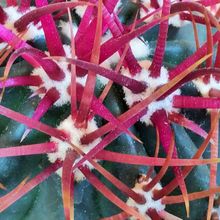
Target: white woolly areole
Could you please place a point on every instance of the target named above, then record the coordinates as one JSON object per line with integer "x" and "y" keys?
{"x": 150, "y": 202}
{"x": 118, "y": 5}
{"x": 13, "y": 15}
{"x": 107, "y": 36}
{"x": 108, "y": 64}
{"x": 143, "y": 13}
{"x": 152, "y": 85}
{"x": 214, "y": 8}
{"x": 80, "y": 10}
{"x": 175, "y": 20}
{"x": 65, "y": 28}
{"x": 3, "y": 45}
{"x": 61, "y": 86}
{"x": 139, "y": 48}
{"x": 112, "y": 59}
{"x": 75, "y": 135}
{"x": 104, "y": 81}
{"x": 216, "y": 210}
{"x": 204, "y": 88}
{"x": 146, "y": 2}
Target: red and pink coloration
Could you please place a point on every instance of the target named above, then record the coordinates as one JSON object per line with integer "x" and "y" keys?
{"x": 152, "y": 94}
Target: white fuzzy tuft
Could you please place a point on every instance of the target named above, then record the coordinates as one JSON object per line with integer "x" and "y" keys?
{"x": 153, "y": 84}
{"x": 104, "y": 81}
{"x": 216, "y": 210}
{"x": 34, "y": 31}
{"x": 112, "y": 59}
{"x": 110, "y": 62}
{"x": 146, "y": 3}
{"x": 214, "y": 8}
{"x": 165, "y": 104}
{"x": 107, "y": 36}
{"x": 139, "y": 48}
{"x": 3, "y": 45}
{"x": 65, "y": 28}
{"x": 61, "y": 86}
{"x": 80, "y": 10}
{"x": 175, "y": 20}
{"x": 160, "y": 2}
{"x": 150, "y": 202}
{"x": 118, "y": 6}
{"x": 75, "y": 135}
{"x": 204, "y": 88}
{"x": 143, "y": 13}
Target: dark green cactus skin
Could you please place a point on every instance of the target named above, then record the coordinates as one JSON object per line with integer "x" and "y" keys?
{"x": 198, "y": 179}
{"x": 125, "y": 144}
{"x": 45, "y": 201}
{"x": 88, "y": 203}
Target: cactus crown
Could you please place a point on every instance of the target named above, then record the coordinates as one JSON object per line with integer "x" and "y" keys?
{"x": 89, "y": 51}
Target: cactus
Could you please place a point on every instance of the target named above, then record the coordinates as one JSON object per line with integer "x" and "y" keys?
{"x": 109, "y": 109}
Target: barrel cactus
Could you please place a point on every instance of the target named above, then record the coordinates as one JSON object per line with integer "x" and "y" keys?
{"x": 109, "y": 109}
